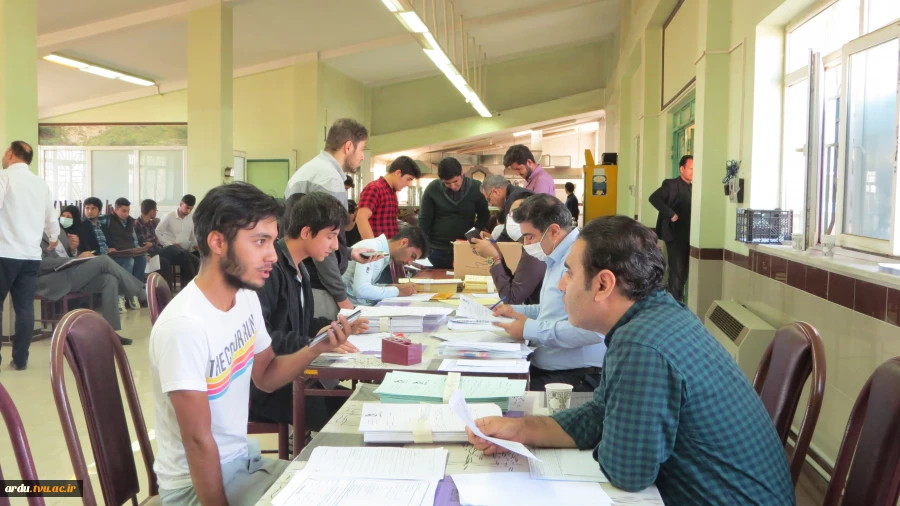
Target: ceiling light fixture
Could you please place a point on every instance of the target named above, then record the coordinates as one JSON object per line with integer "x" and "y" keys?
{"x": 466, "y": 55}
{"x": 98, "y": 70}
{"x": 522, "y": 133}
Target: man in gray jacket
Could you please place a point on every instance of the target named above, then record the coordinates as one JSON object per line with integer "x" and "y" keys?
{"x": 325, "y": 173}
{"x": 95, "y": 275}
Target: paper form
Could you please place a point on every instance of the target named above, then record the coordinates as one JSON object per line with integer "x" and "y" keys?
{"x": 418, "y": 385}
{"x": 486, "y": 366}
{"x": 567, "y": 464}
{"x": 472, "y": 324}
{"x": 503, "y": 489}
{"x": 405, "y": 417}
{"x": 419, "y": 297}
{"x": 382, "y": 311}
{"x": 368, "y": 342}
{"x": 379, "y": 463}
{"x": 474, "y": 337}
{"x": 487, "y": 363}
{"x": 458, "y": 404}
{"x": 307, "y": 489}
{"x": 484, "y": 346}
{"x": 471, "y": 309}
{"x": 424, "y": 262}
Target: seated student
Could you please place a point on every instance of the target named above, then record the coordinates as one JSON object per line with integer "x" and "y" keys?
{"x": 145, "y": 228}
{"x": 310, "y": 231}
{"x": 672, "y": 407}
{"x": 351, "y": 229}
{"x": 177, "y": 228}
{"x": 120, "y": 236}
{"x": 70, "y": 220}
{"x": 92, "y": 236}
{"x": 523, "y": 286}
{"x": 565, "y": 353}
{"x": 98, "y": 275}
{"x": 407, "y": 246}
{"x": 207, "y": 345}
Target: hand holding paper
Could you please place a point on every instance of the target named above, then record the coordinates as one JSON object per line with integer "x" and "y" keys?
{"x": 458, "y": 405}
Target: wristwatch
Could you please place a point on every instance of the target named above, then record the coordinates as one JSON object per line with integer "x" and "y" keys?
{"x": 492, "y": 261}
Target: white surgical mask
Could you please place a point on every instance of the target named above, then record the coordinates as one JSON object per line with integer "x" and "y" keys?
{"x": 498, "y": 230}
{"x": 513, "y": 230}
{"x": 65, "y": 222}
{"x": 535, "y": 249}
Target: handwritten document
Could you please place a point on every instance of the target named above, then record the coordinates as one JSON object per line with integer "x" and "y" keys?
{"x": 471, "y": 309}
{"x": 567, "y": 464}
{"x": 458, "y": 404}
{"x": 379, "y": 463}
{"x": 307, "y": 489}
{"x": 503, "y": 489}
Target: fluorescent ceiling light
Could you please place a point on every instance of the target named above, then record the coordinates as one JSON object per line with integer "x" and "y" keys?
{"x": 412, "y": 21}
{"x": 522, "y": 133}
{"x": 392, "y": 5}
{"x": 433, "y": 43}
{"x": 100, "y": 71}
{"x": 68, "y": 62}
{"x": 438, "y": 57}
{"x": 482, "y": 110}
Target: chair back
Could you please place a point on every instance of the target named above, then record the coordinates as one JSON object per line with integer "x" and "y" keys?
{"x": 158, "y": 295}
{"x": 19, "y": 445}
{"x": 93, "y": 351}
{"x": 872, "y": 434}
{"x": 794, "y": 354}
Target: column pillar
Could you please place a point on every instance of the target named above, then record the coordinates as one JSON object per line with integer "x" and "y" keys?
{"x": 18, "y": 73}
{"x": 210, "y": 82}
{"x": 709, "y": 203}
{"x": 649, "y": 173}
{"x": 309, "y": 125}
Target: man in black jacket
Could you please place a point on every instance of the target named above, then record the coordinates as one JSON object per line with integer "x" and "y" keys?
{"x": 673, "y": 201}
{"x": 311, "y": 230}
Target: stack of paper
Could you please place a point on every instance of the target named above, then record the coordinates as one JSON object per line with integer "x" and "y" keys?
{"x": 564, "y": 464}
{"x": 485, "y": 366}
{"x": 370, "y": 476}
{"x": 473, "y": 337}
{"x": 479, "y": 283}
{"x": 401, "y": 319}
{"x": 414, "y": 388}
{"x": 503, "y": 489}
{"x": 475, "y": 349}
{"x": 417, "y": 423}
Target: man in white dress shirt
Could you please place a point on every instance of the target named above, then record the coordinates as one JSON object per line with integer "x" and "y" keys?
{"x": 26, "y": 212}
{"x": 177, "y": 229}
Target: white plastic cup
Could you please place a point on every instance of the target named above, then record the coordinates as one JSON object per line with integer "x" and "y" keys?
{"x": 828, "y": 243}
{"x": 559, "y": 397}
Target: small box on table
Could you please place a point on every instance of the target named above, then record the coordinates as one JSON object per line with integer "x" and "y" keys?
{"x": 396, "y": 350}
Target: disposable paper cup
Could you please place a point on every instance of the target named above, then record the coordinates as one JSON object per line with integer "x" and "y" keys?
{"x": 559, "y": 396}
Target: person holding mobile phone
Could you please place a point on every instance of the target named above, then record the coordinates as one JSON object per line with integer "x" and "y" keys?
{"x": 362, "y": 280}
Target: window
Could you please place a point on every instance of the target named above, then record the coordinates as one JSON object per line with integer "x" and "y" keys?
{"x": 839, "y": 158}
{"x": 75, "y": 173}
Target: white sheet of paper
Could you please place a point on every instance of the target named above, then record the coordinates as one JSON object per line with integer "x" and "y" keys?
{"x": 566, "y": 464}
{"x": 152, "y": 265}
{"x": 379, "y": 463}
{"x": 308, "y": 489}
{"x": 458, "y": 405}
{"x": 419, "y": 297}
{"x": 368, "y": 342}
{"x": 424, "y": 262}
{"x": 481, "y": 336}
{"x": 377, "y": 417}
{"x": 469, "y": 308}
{"x": 503, "y": 489}
{"x": 487, "y": 363}
{"x": 451, "y": 365}
{"x": 382, "y": 311}
{"x": 482, "y": 346}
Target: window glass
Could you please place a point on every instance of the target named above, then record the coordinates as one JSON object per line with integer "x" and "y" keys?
{"x": 64, "y": 172}
{"x": 793, "y": 169}
{"x": 162, "y": 176}
{"x": 882, "y": 13}
{"x": 112, "y": 174}
{"x": 825, "y": 33}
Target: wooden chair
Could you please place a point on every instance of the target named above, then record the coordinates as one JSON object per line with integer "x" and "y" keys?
{"x": 53, "y": 310}
{"x": 794, "y": 354}
{"x": 158, "y": 295}
{"x": 93, "y": 351}
{"x": 19, "y": 445}
{"x": 872, "y": 435}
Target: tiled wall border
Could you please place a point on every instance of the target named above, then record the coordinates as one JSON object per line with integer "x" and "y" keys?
{"x": 879, "y": 302}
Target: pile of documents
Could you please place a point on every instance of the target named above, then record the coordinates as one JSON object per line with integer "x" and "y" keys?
{"x": 485, "y": 366}
{"x": 475, "y": 349}
{"x": 503, "y": 489}
{"x": 473, "y": 316}
{"x": 481, "y": 336}
{"x": 417, "y": 423}
{"x": 371, "y": 476}
{"x": 400, "y": 387}
{"x": 475, "y": 283}
{"x": 401, "y": 319}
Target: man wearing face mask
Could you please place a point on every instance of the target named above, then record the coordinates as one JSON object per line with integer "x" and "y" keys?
{"x": 565, "y": 354}
{"x": 501, "y": 193}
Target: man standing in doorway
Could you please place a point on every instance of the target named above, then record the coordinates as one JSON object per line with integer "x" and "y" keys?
{"x": 520, "y": 160}
{"x": 673, "y": 201}
{"x": 451, "y": 206}
{"x": 26, "y": 212}
{"x": 344, "y": 152}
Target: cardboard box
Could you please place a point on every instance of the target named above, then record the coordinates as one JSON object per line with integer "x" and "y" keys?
{"x": 465, "y": 262}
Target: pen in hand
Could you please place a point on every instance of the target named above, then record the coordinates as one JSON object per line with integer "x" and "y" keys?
{"x": 498, "y": 303}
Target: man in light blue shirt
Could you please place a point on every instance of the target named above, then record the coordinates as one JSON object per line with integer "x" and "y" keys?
{"x": 407, "y": 246}
{"x": 564, "y": 354}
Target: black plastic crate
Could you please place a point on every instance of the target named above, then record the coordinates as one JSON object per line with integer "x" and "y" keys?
{"x": 764, "y": 226}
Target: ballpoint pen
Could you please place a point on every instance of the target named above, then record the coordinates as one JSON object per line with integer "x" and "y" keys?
{"x": 498, "y": 303}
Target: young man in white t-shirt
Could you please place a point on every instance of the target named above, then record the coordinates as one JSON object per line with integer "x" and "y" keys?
{"x": 207, "y": 345}
{"x": 407, "y": 246}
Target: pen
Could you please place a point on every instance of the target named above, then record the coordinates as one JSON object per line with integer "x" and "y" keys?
{"x": 498, "y": 303}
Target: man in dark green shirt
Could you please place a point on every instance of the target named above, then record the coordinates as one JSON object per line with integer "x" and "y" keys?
{"x": 672, "y": 407}
{"x": 451, "y": 206}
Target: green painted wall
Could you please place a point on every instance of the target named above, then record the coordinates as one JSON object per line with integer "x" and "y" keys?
{"x": 519, "y": 82}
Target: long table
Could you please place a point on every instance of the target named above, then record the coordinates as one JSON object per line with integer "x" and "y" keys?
{"x": 343, "y": 430}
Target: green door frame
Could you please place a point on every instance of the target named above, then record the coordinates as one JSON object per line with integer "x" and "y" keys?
{"x": 683, "y": 134}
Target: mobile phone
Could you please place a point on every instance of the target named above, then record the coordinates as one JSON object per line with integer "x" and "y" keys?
{"x": 473, "y": 234}
{"x": 324, "y": 335}
{"x": 370, "y": 254}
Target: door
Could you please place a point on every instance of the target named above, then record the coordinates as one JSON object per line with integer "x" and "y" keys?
{"x": 270, "y": 176}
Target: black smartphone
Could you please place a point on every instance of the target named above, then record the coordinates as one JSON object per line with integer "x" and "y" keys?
{"x": 324, "y": 335}
{"x": 370, "y": 254}
{"x": 473, "y": 234}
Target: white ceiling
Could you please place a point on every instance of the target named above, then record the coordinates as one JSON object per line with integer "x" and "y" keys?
{"x": 360, "y": 38}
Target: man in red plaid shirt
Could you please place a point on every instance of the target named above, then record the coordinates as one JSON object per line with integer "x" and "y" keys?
{"x": 378, "y": 204}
